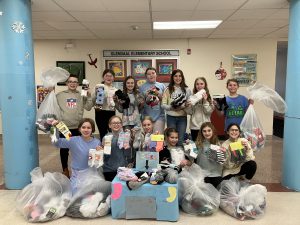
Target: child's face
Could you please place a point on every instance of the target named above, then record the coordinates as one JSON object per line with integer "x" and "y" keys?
{"x": 234, "y": 132}
{"x": 86, "y": 129}
{"x": 177, "y": 78}
{"x": 130, "y": 84}
{"x": 108, "y": 78}
{"x": 172, "y": 139}
{"x": 207, "y": 133}
{"x": 232, "y": 87}
{"x": 151, "y": 76}
{"x": 147, "y": 126}
{"x": 72, "y": 83}
{"x": 200, "y": 85}
{"x": 115, "y": 125}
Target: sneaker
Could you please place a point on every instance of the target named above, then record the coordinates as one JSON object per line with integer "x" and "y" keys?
{"x": 66, "y": 172}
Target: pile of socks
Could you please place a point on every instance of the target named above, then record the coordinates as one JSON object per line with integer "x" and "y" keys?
{"x": 190, "y": 149}
{"x": 143, "y": 178}
{"x": 217, "y": 154}
{"x": 126, "y": 174}
{"x": 95, "y": 158}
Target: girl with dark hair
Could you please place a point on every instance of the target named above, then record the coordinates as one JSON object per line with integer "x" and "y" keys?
{"x": 131, "y": 114}
{"x": 174, "y": 102}
{"x": 202, "y": 110}
{"x": 239, "y": 155}
{"x": 107, "y": 109}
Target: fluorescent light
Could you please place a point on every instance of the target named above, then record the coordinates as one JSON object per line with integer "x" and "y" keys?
{"x": 186, "y": 25}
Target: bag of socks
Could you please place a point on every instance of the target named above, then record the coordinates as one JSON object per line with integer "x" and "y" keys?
{"x": 99, "y": 96}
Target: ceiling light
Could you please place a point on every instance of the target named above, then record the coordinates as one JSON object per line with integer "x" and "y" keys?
{"x": 186, "y": 25}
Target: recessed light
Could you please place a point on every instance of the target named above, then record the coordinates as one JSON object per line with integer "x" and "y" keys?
{"x": 186, "y": 25}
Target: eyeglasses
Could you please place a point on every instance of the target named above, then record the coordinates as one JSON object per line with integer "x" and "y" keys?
{"x": 236, "y": 130}
{"x": 72, "y": 82}
{"x": 116, "y": 123}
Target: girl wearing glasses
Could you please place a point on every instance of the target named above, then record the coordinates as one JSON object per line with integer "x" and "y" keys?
{"x": 239, "y": 157}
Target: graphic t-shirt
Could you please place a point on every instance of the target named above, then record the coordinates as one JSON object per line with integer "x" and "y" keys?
{"x": 236, "y": 110}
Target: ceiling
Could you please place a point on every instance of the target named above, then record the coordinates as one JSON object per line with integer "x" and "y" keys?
{"x": 132, "y": 19}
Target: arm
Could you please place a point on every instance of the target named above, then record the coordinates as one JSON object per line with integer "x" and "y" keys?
{"x": 63, "y": 143}
{"x": 166, "y": 100}
{"x": 208, "y": 108}
{"x": 88, "y": 102}
{"x": 249, "y": 151}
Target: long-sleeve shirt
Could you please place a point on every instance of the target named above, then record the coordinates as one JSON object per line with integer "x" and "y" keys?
{"x": 200, "y": 113}
{"x": 72, "y": 106}
{"x": 79, "y": 150}
{"x": 155, "y": 112}
{"x": 214, "y": 168}
{"x": 169, "y": 98}
{"x": 231, "y": 167}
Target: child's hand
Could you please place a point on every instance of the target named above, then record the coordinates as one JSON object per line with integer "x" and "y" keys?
{"x": 184, "y": 163}
{"x": 245, "y": 143}
{"x": 156, "y": 132}
{"x": 99, "y": 148}
{"x": 251, "y": 101}
{"x": 204, "y": 95}
{"x": 188, "y": 103}
{"x": 54, "y": 122}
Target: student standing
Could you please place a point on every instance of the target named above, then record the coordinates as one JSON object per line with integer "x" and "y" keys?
{"x": 152, "y": 92}
{"x": 72, "y": 106}
{"x": 174, "y": 102}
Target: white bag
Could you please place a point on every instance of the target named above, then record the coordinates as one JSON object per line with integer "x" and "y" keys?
{"x": 48, "y": 111}
{"x": 46, "y": 198}
{"x": 52, "y": 76}
{"x": 252, "y": 129}
{"x": 267, "y": 96}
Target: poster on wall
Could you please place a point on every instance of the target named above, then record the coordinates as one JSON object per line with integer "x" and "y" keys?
{"x": 119, "y": 67}
{"x": 164, "y": 68}
{"x": 138, "y": 68}
{"x": 244, "y": 68}
{"x": 73, "y": 67}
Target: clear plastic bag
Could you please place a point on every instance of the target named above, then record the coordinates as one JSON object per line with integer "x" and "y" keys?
{"x": 92, "y": 196}
{"x": 52, "y": 76}
{"x": 242, "y": 200}
{"x": 267, "y": 96}
{"x": 46, "y": 198}
{"x": 252, "y": 129}
{"x": 195, "y": 196}
{"x": 48, "y": 111}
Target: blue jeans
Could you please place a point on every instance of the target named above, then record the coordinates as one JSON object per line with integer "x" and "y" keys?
{"x": 179, "y": 123}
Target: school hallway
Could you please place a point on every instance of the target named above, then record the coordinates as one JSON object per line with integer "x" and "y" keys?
{"x": 282, "y": 204}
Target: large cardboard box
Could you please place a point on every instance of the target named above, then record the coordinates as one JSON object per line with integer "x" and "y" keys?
{"x": 158, "y": 202}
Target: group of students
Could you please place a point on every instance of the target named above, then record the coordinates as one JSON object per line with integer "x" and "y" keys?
{"x": 147, "y": 108}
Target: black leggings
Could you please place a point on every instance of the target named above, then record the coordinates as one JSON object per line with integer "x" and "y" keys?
{"x": 248, "y": 169}
{"x": 194, "y": 134}
{"x": 64, "y": 152}
{"x": 102, "y": 117}
{"x": 215, "y": 181}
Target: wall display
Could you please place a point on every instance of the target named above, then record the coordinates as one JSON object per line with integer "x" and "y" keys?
{"x": 118, "y": 85}
{"x": 244, "y": 68}
{"x": 138, "y": 68}
{"x": 164, "y": 69}
{"x": 140, "y": 82}
{"x": 221, "y": 73}
{"x": 140, "y": 53}
{"x": 41, "y": 94}
{"x": 73, "y": 67}
{"x": 119, "y": 67}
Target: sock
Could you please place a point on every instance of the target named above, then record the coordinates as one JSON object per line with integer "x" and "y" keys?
{"x": 98, "y": 158}
{"x": 107, "y": 144}
{"x": 104, "y": 207}
{"x": 127, "y": 137}
{"x": 121, "y": 139}
{"x": 137, "y": 138}
{"x": 133, "y": 185}
{"x": 159, "y": 146}
{"x": 91, "y": 157}
{"x": 89, "y": 208}
{"x": 197, "y": 97}
{"x": 99, "y": 96}
{"x": 158, "y": 177}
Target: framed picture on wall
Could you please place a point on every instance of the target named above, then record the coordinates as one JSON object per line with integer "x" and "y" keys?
{"x": 119, "y": 67}
{"x": 73, "y": 67}
{"x": 138, "y": 68}
{"x": 164, "y": 69}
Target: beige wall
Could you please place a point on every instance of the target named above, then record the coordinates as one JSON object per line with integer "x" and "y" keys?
{"x": 204, "y": 60}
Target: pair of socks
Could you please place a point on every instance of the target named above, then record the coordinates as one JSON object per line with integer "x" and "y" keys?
{"x": 137, "y": 138}
{"x": 133, "y": 185}
{"x": 99, "y": 96}
{"x": 124, "y": 139}
{"x": 194, "y": 99}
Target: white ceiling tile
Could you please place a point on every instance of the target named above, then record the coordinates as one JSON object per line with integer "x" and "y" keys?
{"x": 249, "y": 35}
{"x": 211, "y": 14}
{"x": 219, "y": 5}
{"x": 41, "y": 26}
{"x": 262, "y": 31}
{"x": 51, "y": 16}
{"x": 252, "y": 14}
{"x": 237, "y": 24}
{"x": 169, "y": 16}
{"x": 128, "y": 5}
{"x": 130, "y": 16}
{"x": 265, "y": 4}
{"x": 92, "y": 16}
{"x": 227, "y": 31}
{"x": 197, "y": 32}
{"x": 67, "y": 25}
{"x": 280, "y": 14}
{"x": 44, "y": 5}
{"x": 281, "y": 33}
{"x": 114, "y": 26}
{"x": 79, "y": 5}
{"x": 168, "y": 32}
{"x": 173, "y": 5}
{"x": 272, "y": 23}
{"x": 222, "y": 36}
